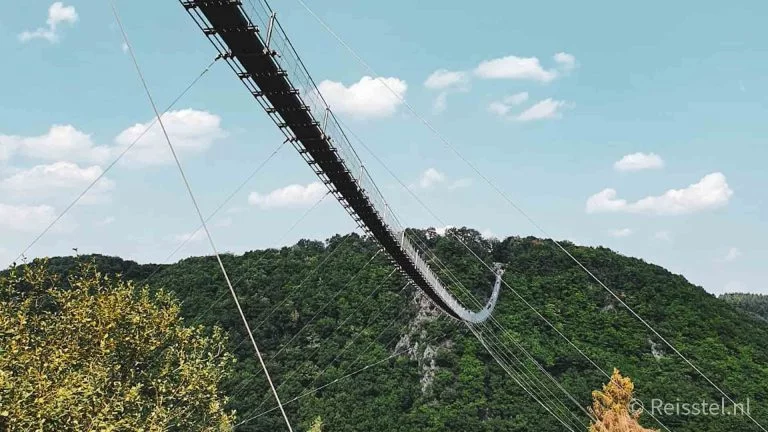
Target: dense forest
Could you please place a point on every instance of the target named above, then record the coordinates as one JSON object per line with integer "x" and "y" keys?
{"x": 321, "y": 310}
{"x": 756, "y": 304}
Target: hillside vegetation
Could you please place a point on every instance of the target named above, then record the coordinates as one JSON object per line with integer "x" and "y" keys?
{"x": 317, "y": 327}
{"x": 756, "y": 304}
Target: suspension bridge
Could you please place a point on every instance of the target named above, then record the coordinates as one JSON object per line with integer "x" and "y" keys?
{"x": 263, "y": 58}
{"x": 258, "y": 51}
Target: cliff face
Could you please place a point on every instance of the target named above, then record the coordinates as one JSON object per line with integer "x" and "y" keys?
{"x": 416, "y": 343}
{"x": 318, "y": 326}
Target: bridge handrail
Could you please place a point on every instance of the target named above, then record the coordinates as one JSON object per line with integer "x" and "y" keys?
{"x": 288, "y": 59}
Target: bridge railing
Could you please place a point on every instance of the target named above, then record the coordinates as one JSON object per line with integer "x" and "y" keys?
{"x": 379, "y": 203}
{"x": 420, "y": 258}
{"x": 297, "y": 74}
{"x": 288, "y": 60}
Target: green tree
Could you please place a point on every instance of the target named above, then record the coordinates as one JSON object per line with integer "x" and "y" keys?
{"x": 93, "y": 352}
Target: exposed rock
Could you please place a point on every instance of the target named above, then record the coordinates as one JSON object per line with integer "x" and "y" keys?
{"x": 656, "y": 350}
{"x": 413, "y": 340}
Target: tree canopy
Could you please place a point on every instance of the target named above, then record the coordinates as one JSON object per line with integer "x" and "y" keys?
{"x": 92, "y": 352}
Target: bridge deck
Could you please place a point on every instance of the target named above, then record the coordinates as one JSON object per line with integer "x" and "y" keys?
{"x": 245, "y": 48}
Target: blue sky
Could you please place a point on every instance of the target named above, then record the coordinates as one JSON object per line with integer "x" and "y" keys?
{"x": 637, "y": 127}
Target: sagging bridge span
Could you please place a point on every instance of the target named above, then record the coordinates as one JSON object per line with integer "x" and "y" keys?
{"x": 263, "y": 58}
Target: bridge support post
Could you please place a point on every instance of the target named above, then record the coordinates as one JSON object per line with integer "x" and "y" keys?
{"x": 269, "y": 29}
{"x": 325, "y": 120}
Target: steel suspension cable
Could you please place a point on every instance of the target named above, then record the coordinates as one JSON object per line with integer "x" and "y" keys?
{"x": 493, "y": 321}
{"x": 297, "y": 370}
{"x": 112, "y": 164}
{"x": 221, "y": 296}
{"x": 434, "y": 259}
{"x": 338, "y": 247}
{"x": 326, "y": 304}
{"x": 517, "y": 294}
{"x": 310, "y": 392}
{"x": 541, "y": 316}
{"x": 525, "y": 373}
{"x": 367, "y": 347}
{"x": 540, "y": 367}
{"x": 230, "y": 197}
{"x": 306, "y": 278}
{"x": 531, "y": 376}
{"x": 506, "y": 369}
{"x": 197, "y": 207}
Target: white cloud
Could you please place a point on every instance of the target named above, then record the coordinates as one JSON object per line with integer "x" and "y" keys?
{"x": 663, "y": 236}
{"x": 430, "y": 178}
{"x": 504, "y": 106}
{"x": 566, "y": 61}
{"x": 440, "y": 103}
{"x": 294, "y": 195}
{"x": 711, "y": 192}
{"x": 544, "y": 109}
{"x": 623, "y": 232}
{"x": 605, "y": 201}
{"x": 60, "y": 142}
{"x": 190, "y": 236}
{"x": 639, "y": 161}
{"x": 367, "y": 98}
{"x": 8, "y": 146}
{"x": 25, "y": 218}
{"x": 106, "y": 221}
{"x": 513, "y": 67}
{"x": 733, "y": 254}
{"x": 460, "y": 183}
{"x": 191, "y": 132}
{"x": 446, "y": 81}
{"x": 498, "y": 108}
{"x": 44, "y": 181}
{"x": 442, "y": 79}
{"x": 57, "y": 14}
{"x": 516, "y": 99}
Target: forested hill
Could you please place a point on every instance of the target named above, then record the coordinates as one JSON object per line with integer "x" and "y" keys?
{"x": 756, "y": 304}
{"x": 319, "y": 312}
